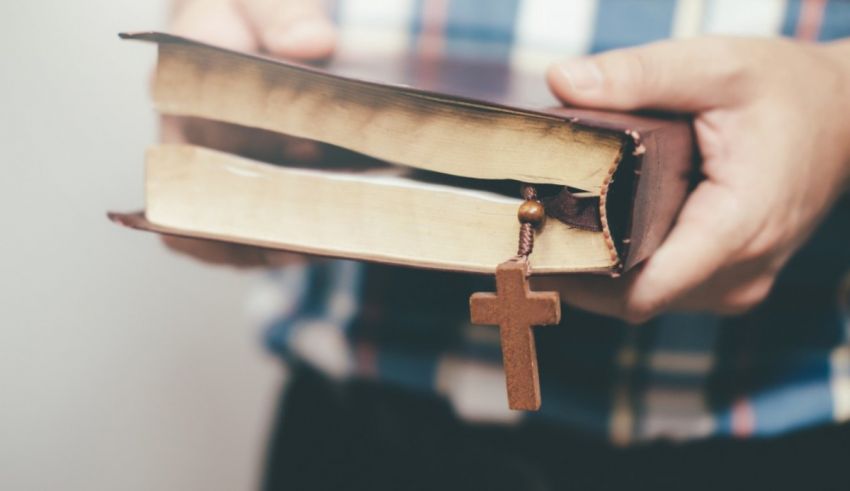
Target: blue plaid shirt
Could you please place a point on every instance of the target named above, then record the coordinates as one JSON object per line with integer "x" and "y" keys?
{"x": 784, "y": 366}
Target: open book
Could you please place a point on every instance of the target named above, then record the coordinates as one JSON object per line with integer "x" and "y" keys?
{"x": 455, "y": 139}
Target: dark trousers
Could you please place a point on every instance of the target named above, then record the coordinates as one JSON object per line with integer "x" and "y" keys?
{"x": 359, "y": 435}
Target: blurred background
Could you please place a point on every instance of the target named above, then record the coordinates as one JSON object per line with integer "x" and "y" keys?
{"x": 121, "y": 366}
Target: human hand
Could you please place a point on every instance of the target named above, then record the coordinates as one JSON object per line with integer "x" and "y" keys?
{"x": 771, "y": 120}
{"x": 295, "y": 29}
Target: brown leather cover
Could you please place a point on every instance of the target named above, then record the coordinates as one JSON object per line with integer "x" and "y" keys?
{"x": 646, "y": 189}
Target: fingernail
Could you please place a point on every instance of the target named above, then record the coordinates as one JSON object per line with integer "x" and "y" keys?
{"x": 581, "y": 74}
{"x": 301, "y": 36}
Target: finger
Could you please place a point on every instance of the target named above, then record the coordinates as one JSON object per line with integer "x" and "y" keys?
{"x": 291, "y": 28}
{"x": 685, "y": 76}
{"x": 303, "y": 151}
{"x": 734, "y": 297}
{"x": 734, "y": 289}
{"x": 217, "y": 22}
{"x": 709, "y": 232}
{"x": 218, "y": 253}
{"x": 275, "y": 258}
{"x": 593, "y": 293}
{"x": 171, "y": 129}
{"x": 223, "y": 253}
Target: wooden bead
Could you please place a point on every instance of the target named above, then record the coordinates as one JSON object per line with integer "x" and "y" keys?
{"x": 531, "y": 211}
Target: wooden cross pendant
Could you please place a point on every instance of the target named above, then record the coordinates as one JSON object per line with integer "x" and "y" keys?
{"x": 515, "y": 309}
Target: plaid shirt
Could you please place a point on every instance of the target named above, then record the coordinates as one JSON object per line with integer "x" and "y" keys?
{"x": 784, "y": 366}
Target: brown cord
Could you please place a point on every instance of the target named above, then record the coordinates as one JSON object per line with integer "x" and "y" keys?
{"x": 526, "y": 230}
{"x": 526, "y": 240}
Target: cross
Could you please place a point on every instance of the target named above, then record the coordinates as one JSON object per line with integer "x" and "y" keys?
{"x": 515, "y": 309}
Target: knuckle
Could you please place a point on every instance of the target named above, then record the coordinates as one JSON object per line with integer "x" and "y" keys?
{"x": 756, "y": 248}
{"x": 733, "y": 67}
{"x": 638, "y": 312}
{"x": 764, "y": 244}
{"x": 635, "y": 67}
{"x": 624, "y": 74}
{"x": 173, "y": 242}
{"x": 646, "y": 297}
{"x": 747, "y": 298}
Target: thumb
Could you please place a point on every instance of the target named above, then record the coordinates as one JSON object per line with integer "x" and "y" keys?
{"x": 683, "y": 76}
{"x": 298, "y": 29}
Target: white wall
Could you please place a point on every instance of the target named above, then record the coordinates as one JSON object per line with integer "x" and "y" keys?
{"x": 121, "y": 366}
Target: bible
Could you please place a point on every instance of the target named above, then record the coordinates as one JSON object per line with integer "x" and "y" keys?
{"x": 430, "y": 163}
{"x": 447, "y": 144}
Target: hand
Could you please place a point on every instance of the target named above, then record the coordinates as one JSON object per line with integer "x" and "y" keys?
{"x": 771, "y": 120}
{"x": 295, "y": 29}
